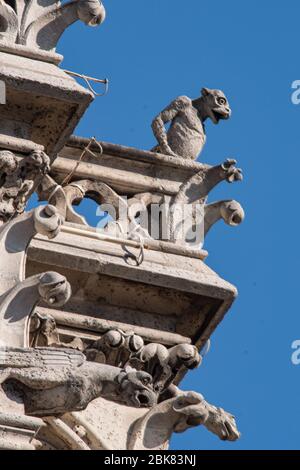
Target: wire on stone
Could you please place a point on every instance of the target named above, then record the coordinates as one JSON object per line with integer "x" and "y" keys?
{"x": 53, "y": 192}
{"x": 85, "y": 150}
{"x": 139, "y": 238}
{"x": 135, "y": 236}
{"x": 87, "y": 80}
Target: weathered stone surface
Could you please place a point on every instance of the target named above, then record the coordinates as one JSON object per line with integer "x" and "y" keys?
{"x": 230, "y": 211}
{"x": 19, "y": 177}
{"x": 148, "y": 316}
{"x": 54, "y": 381}
{"x": 17, "y": 431}
{"x": 121, "y": 349}
{"x": 39, "y": 26}
{"x": 108, "y": 181}
{"x": 97, "y": 329}
{"x": 160, "y": 294}
{"x": 14, "y": 240}
{"x": 106, "y": 425}
{"x": 43, "y": 103}
{"x": 178, "y": 414}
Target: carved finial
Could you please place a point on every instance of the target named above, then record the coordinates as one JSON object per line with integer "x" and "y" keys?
{"x": 38, "y": 26}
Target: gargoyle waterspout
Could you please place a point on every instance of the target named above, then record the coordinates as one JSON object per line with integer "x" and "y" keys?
{"x": 55, "y": 381}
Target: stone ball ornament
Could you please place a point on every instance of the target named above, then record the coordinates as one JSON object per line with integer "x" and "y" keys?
{"x": 47, "y": 221}
{"x": 54, "y": 289}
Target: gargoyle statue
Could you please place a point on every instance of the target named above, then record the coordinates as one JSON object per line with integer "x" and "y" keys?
{"x": 56, "y": 381}
{"x": 186, "y": 136}
{"x": 44, "y": 333}
{"x": 193, "y": 410}
{"x": 187, "y": 410}
{"x": 128, "y": 349}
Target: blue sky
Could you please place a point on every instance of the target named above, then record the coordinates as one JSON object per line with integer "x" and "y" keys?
{"x": 155, "y": 51}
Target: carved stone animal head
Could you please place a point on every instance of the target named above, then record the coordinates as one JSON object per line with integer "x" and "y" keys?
{"x": 184, "y": 355}
{"x": 232, "y": 213}
{"x": 7, "y": 208}
{"x": 38, "y": 161}
{"x": 191, "y": 411}
{"x": 91, "y": 12}
{"x": 46, "y": 325}
{"x": 136, "y": 388}
{"x": 216, "y": 106}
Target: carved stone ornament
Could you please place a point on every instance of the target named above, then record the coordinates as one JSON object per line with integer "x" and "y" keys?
{"x": 64, "y": 198}
{"x": 43, "y": 332}
{"x": 19, "y": 303}
{"x": 188, "y": 208}
{"x": 18, "y": 179}
{"x": 19, "y": 295}
{"x": 187, "y": 410}
{"x": 230, "y": 211}
{"x": 55, "y": 381}
{"x": 120, "y": 349}
{"x": 47, "y": 379}
{"x": 128, "y": 215}
{"x": 100, "y": 369}
{"x": 31, "y": 23}
{"x": 186, "y": 136}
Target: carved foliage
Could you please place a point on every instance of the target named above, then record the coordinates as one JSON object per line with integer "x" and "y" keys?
{"x": 18, "y": 177}
{"x": 36, "y": 25}
{"x": 143, "y": 386}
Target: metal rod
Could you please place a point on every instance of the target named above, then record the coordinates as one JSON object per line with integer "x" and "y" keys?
{"x": 88, "y": 79}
